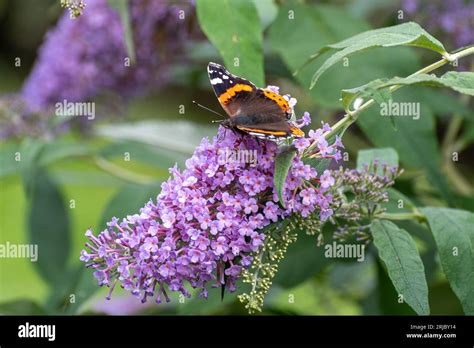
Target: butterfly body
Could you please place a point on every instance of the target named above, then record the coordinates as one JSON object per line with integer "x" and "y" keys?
{"x": 255, "y": 111}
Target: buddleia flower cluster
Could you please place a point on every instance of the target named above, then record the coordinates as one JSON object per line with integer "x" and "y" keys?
{"x": 84, "y": 58}
{"x": 358, "y": 196}
{"x": 15, "y": 123}
{"x": 209, "y": 219}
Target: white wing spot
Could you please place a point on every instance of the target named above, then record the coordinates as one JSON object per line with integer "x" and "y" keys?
{"x": 215, "y": 81}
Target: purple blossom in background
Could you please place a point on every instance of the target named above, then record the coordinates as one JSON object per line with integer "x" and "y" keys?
{"x": 14, "y": 123}
{"x": 206, "y": 222}
{"x": 451, "y": 20}
{"x": 85, "y": 57}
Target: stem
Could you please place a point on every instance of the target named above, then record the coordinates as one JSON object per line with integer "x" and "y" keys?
{"x": 351, "y": 116}
{"x": 453, "y": 128}
{"x": 451, "y": 145}
{"x": 122, "y": 173}
{"x": 402, "y": 216}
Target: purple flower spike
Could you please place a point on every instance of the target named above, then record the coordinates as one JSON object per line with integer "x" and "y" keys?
{"x": 85, "y": 57}
{"x": 203, "y": 229}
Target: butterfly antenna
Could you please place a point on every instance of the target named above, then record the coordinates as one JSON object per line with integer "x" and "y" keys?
{"x": 208, "y": 109}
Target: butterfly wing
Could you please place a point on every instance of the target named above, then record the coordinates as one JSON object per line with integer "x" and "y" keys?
{"x": 231, "y": 91}
{"x": 257, "y": 111}
{"x": 265, "y": 118}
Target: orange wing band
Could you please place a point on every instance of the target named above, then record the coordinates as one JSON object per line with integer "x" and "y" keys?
{"x": 231, "y": 92}
{"x": 296, "y": 131}
{"x": 254, "y": 130}
{"x": 282, "y": 103}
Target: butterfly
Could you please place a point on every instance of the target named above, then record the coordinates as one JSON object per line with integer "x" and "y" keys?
{"x": 255, "y": 111}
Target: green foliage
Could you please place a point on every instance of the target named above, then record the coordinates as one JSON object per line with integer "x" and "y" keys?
{"x": 394, "y": 197}
{"x": 462, "y": 82}
{"x": 178, "y": 138}
{"x": 8, "y": 164}
{"x": 414, "y": 140}
{"x": 386, "y": 296}
{"x": 138, "y": 151}
{"x": 129, "y": 199}
{"x": 453, "y": 231}
{"x": 408, "y": 253}
{"x": 20, "y": 307}
{"x": 302, "y": 261}
{"x": 234, "y": 29}
{"x": 29, "y": 152}
{"x": 48, "y": 225}
{"x": 406, "y": 34}
{"x": 62, "y": 149}
{"x": 324, "y": 24}
{"x": 282, "y": 166}
{"x": 76, "y": 286}
{"x": 405, "y": 268}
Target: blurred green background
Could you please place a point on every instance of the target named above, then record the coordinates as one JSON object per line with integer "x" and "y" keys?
{"x": 89, "y": 167}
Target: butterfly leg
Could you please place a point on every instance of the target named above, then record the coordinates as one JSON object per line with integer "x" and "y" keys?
{"x": 222, "y": 136}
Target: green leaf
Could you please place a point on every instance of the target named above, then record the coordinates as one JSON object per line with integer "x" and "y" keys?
{"x": 394, "y": 199}
{"x": 234, "y": 29}
{"x": 453, "y": 231}
{"x": 29, "y": 151}
{"x": 33, "y": 153}
{"x": 414, "y": 139}
{"x": 467, "y": 136}
{"x": 84, "y": 287}
{"x": 462, "y": 82}
{"x": 405, "y": 268}
{"x": 58, "y": 150}
{"x": 387, "y": 296}
{"x": 144, "y": 153}
{"x": 267, "y": 11}
{"x": 122, "y": 7}
{"x": 78, "y": 281}
{"x": 282, "y": 166}
{"x": 21, "y": 307}
{"x": 8, "y": 163}
{"x": 386, "y": 156}
{"x": 425, "y": 243}
{"x": 128, "y": 201}
{"x": 48, "y": 225}
{"x": 180, "y": 136}
{"x": 354, "y": 279}
{"x": 323, "y": 22}
{"x": 406, "y": 34}
{"x": 302, "y": 260}
{"x": 443, "y": 102}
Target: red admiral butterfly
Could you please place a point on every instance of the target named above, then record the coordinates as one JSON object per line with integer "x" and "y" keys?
{"x": 256, "y": 111}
